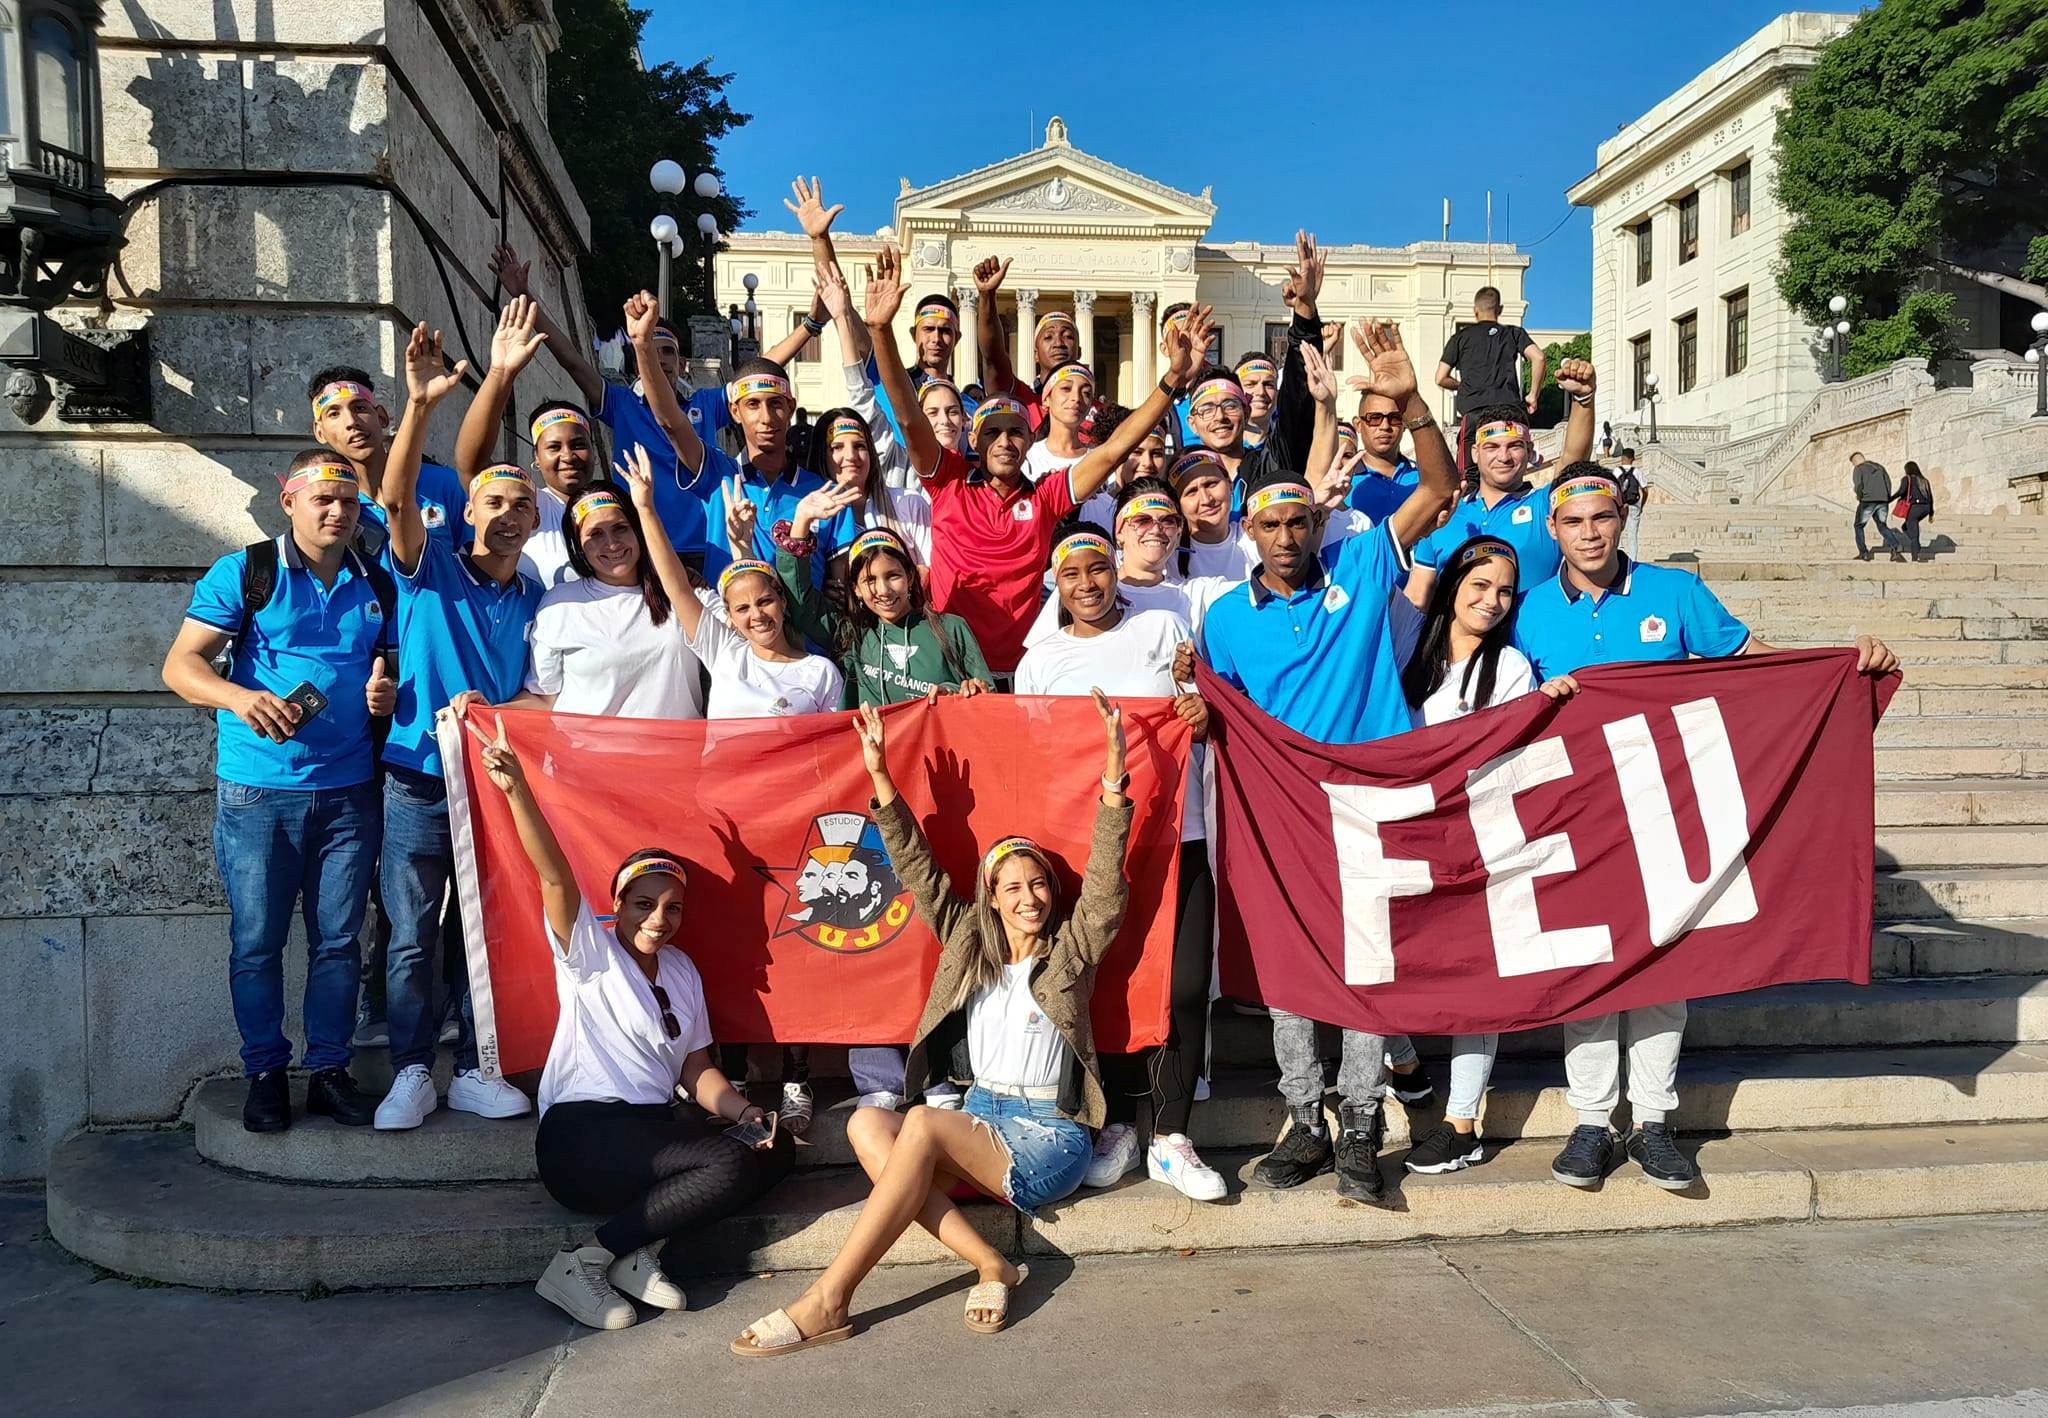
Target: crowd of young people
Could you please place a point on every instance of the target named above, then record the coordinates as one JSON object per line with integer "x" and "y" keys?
{"x": 1016, "y": 536}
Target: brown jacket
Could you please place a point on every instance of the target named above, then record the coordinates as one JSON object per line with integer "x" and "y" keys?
{"x": 1064, "y": 977}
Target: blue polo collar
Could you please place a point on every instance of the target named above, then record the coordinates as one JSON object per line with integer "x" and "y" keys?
{"x": 1260, "y": 594}
{"x": 1618, "y": 588}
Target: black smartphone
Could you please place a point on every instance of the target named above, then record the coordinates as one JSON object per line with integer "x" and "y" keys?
{"x": 310, "y": 701}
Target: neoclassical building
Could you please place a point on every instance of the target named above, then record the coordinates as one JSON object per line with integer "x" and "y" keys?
{"x": 1113, "y": 249}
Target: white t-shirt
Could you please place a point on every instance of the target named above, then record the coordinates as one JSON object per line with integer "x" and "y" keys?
{"x": 546, "y": 556}
{"x": 1189, "y": 599}
{"x": 1234, "y": 558}
{"x": 1512, "y": 678}
{"x": 1135, "y": 659}
{"x": 1040, "y": 462}
{"x": 745, "y": 686}
{"x": 910, "y": 509}
{"x": 598, "y": 652}
{"x": 610, "y": 1045}
{"x": 1008, "y": 1039}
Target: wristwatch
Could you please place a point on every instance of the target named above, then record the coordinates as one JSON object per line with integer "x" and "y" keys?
{"x": 1116, "y": 785}
{"x": 1423, "y": 420}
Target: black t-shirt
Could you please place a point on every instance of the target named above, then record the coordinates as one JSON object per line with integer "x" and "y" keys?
{"x": 1485, "y": 357}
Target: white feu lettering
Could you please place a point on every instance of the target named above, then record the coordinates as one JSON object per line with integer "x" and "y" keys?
{"x": 1521, "y": 946}
{"x": 1368, "y": 878}
{"x": 1677, "y": 902}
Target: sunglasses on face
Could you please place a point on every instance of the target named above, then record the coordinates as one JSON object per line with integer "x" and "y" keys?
{"x": 1145, "y": 521}
{"x": 668, "y": 1015}
{"x": 1371, "y": 419}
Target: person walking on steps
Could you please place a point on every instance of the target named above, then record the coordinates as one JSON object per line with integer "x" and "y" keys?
{"x": 1873, "y": 488}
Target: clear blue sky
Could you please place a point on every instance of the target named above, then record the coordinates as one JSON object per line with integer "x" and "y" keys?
{"x": 1512, "y": 97}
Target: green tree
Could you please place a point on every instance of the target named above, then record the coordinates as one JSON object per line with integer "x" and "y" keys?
{"x": 612, "y": 120}
{"x": 1550, "y": 402}
{"x": 1918, "y": 145}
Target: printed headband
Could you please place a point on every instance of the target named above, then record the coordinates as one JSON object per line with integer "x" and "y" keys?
{"x": 1346, "y": 431}
{"x": 553, "y": 418}
{"x": 1079, "y": 542}
{"x": 846, "y": 423}
{"x": 1584, "y": 484}
{"x": 1274, "y": 495}
{"x": 1216, "y": 391}
{"x": 1192, "y": 462}
{"x": 666, "y": 337}
{"x": 1480, "y": 551}
{"x": 745, "y": 566}
{"x": 876, "y": 539}
{"x": 748, "y": 385}
{"x": 1050, "y": 317}
{"x": 1009, "y": 847}
{"x": 1066, "y": 373}
{"x": 667, "y": 866}
{"x": 1254, "y": 366}
{"x": 936, "y": 381}
{"x": 1156, "y": 503}
{"x": 933, "y": 313}
{"x": 327, "y": 470}
{"x": 592, "y": 503}
{"x": 339, "y": 392}
{"x": 502, "y": 473}
{"x": 998, "y": 408}
{"x": 1502, "y": 431}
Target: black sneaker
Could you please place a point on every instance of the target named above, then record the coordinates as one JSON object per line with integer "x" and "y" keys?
{"x": 1586, "y": 1156}
{"x": 332, "y": 1093}
{"x": 1444, "y": 1149}
{"x": 1653, "y": 1150}
{"x": 1303, "y": 1151}
{"x": 269, "y": 1105}
{"x": 1358, "y": 1154}
{"x": 1863, "y": 556}
{"x": 1410, "y": 1088}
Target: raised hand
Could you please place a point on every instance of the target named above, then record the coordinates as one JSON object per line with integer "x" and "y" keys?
{"x": 821, "y": 504}
{"x": 1322, "y": 383}
{"x": 833, "y": 294}
{"x": 810, "y": 210}
{"x": 1113, "y": 725}
{"x": 1187, "y": 345}
{"x": 1333, "y": 338}
{"x": 1392, "y": 376}
{"x": 637, "y": 473}
{"x": 427, "y": 376}
{"x": 1336, "y": 483}
{"x": 511, "y": 273}
{"x": 989, "y": 273}
{"x": 867, "y": 727}
{"x": 1576, "y": 377}
{"x": 885, "y": 288}
{"x": 642, "y": 315}
{"x": 740, "y": 517}
{"x": 514, "y": 343}
{"x": 1304, "y": 277}
{"x": 500, "y": 759}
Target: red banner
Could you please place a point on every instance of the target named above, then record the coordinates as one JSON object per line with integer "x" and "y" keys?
{"x": 795, "y": 919}
{"x": 1673, "y": 831}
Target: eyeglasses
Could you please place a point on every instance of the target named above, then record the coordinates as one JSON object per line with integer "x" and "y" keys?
{"x": 668, "y": 1015}
{"x": 1371, "y": 419}
{"x": 1210, "y": 411}
{"x": 1145, "y": 521}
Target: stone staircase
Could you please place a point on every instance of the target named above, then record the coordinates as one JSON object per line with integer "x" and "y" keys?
{"x": 1924, "y": 1094}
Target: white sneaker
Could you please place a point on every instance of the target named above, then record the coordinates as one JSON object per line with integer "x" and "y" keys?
{"x": 797, "y": 1107}
{"x": 575, "y": 1281}
{"x": 411, "y": 1098}
{"x": 891, "y": 1101}
{"x": 1202, "y": 1088}
{"x": 948, "y": 1098}
{"x": 639, "y": 1275}
{"x": 471, "y": 1092}
{"x": 1116, "y": 1154}
{"x": 1172, "y": 1159}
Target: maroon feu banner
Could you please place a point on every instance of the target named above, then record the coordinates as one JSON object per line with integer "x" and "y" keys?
{"x": 1673, "y": 831}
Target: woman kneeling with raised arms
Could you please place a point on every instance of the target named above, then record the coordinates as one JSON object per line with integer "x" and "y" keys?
{"x": 632, "y": 1026}
{"x": 1021, "y": 969}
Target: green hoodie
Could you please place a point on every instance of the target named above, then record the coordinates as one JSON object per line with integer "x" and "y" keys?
{"x": 890, "y": 664}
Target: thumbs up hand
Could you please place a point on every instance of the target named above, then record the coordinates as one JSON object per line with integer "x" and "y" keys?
{"x": 381, "y": 693}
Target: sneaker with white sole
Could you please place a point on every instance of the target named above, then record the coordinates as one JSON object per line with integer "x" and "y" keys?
{"x": 1116, "y": 1154}
{"x": 1202, "y": 1088}
{"x": 411, "y": 1098}
{"x": 639, "y": 1275}
{"x": 797, "y": 1109}
{"x": 575, "y": 1281}
{"x": 891, "y": 1101}
{"x": 1172, "y": 1159}
{"x": 371, "y": 1034}
{"x": 948, "y": 1098}
{"x": 471, "y": 1092}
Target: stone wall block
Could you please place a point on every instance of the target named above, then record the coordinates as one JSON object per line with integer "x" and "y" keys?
{"x": 162, "y": 23}
{"x": 43, "y": 1077}
{"x": 286, "y": 353}
{"x": 157, "y": 1008}
{"x": 200, "y": 380}
{"x": 49, "y": 750}
{"x": 163, "y": 748}
{"x": 316, "y": 115}
{"x": 61, "y": 481}
{"x": 459, "y": 135}
{"x": 283, "y": 244}
{"x": 183, "y": 507}
{"x": 178, "y": 110}
{"x": 81, "y": 854}
{"x": 112, "y": 639}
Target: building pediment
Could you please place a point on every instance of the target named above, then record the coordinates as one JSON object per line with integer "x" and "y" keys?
{"x": 1054, "y": 183}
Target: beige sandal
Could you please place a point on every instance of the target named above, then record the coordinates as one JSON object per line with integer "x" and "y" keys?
{"x": 774, "y": 1335}
{"x": 993, "y": 1295}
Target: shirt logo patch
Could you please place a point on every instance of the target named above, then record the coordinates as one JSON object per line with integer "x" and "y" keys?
{"x": 1023, "y": 511}
{"x": 374, "y": 611}
{"x": 1335, "y": 599}
{"x": 899, "y": 654}
{"x": 1652, "y": 629}
{"x": 1522, "y": 514}
{"x": 433, "y": 515}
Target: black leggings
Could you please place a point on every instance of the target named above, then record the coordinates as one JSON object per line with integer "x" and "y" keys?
{"x": 658, "y": 1172}
{"x": 1168, "y": 1073}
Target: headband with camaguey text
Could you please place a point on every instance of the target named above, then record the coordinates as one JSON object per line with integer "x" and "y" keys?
{"x": 1254, "y": 366}
{"x": 1276, "y": 495}
{"x": 845, "y": 423}
{"x": 1480, "y": 551}
{"x": 555, "y": 418}
{"x": 1502, "y": 431}
{"x": 992, "y": 409}
{"x": 934, "y": 315}
{"x": 502, "y": 473}
{"x": 1156, "y": 504}
{"x": 1188, "y": 464}
{"x": 1584, "y": 483}
{"x": 876, "y": 539}
{"x": 1069, "y": 373}
{"x": 1216, "y": 391}
{"x": 327, "y": 470}
{"x": 1076, "y": 542}
{"x": 1010, "y": 847}
{"x": 667, "y": 866}
{"x": 745, "y": 566}
{"x": 1053, "y": 317}
{"x": 339, "y": 393}
{"x": 773, "y": 386}
{"x": 592, "y": 503}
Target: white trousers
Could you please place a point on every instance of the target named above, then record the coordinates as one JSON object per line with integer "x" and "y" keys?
{"x": 1592, "y": 1063}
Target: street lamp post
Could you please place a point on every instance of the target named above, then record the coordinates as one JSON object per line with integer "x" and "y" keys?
{"x": 1838, "y": 330}
{"x": 668, "y": 178}
{"x": 2038, "y": 354}
{"x": 1650, "y": 400}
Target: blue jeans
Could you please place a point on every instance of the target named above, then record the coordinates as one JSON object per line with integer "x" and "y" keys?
{"x": 419, "y": 860}
{"x": 1049, "y": 1151}
{"x": 1873, "y": 513}
{"x": 276, "y": 847}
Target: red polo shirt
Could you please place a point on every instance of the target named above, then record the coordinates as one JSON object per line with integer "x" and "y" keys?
{"x": 988, "y": 552}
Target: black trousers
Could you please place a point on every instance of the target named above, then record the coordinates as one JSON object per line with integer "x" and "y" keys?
{"x": 658, "y": 1172}
{"x": 1910, "y": 528}
{"x": 1167, "y": 1074}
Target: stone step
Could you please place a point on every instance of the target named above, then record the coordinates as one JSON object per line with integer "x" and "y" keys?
{"x": 1914, "y": 651}
{"x": 1842, "y": 625}
{"x": 1746, "y": 600}
{"x": 1911, "y": 700}
{"x": 1936, "y": 676}
{"x": 1953, "y": 578}
{"x": 1956, "y": 730}
{"x": 1751, "y": 1090}
{"x": 143, "y": 1204}
{"x": 1988, "y": 894}
{"x": 1962, "y": 802}
{"x": 2016, "y": 946}
{"x": 1895, "y": 765}
{"x": 1924, "y": 848}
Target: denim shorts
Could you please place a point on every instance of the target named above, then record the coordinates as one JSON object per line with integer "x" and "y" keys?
{"x": 1049, "y": 1151}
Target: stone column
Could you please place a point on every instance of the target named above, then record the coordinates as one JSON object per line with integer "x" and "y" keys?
{"x": 1144, "y": 345}
{"x": 1084, "y": 323}
{"x": 967, "y": 354}
{"x": 1027, "y": 348}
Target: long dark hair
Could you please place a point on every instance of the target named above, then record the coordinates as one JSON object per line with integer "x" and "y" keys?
{"x": 859, "y": 621}
{"x": 572, "y": 533}
{"x": 881, "y": 510}
{"x": 1425, "y": 671}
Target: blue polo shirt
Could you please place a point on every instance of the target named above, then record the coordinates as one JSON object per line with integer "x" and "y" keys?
{"x": 443, "y": 500}
{"x": 325, "y": 636}
{"x": 1649, "y": 613}
{"x": 1321, "y": 661}
{"x": 1521, "y": 519}
{"x": 1380, "y": 497}
{"x": 457, "y": 630}
{"x": 775, "y": 500}
{"x": 681, "y": 509}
